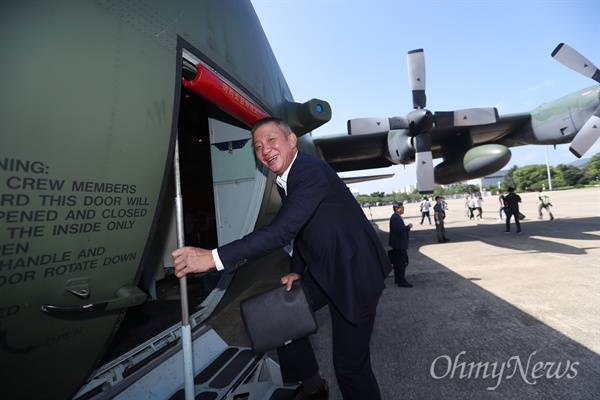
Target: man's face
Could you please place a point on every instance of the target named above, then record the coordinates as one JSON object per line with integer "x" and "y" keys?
{"x": 400, "y": 210}
{"x": 273, "y": 149}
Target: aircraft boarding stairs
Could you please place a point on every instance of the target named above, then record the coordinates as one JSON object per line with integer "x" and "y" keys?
{"x": 238, "y": 374}
{"x": 155, "y": 371}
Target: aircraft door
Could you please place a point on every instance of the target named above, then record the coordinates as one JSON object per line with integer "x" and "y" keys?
{"x": 238, "y": 181}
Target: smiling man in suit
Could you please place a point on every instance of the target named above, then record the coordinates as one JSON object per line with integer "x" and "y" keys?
{"x": 336, "y": 254}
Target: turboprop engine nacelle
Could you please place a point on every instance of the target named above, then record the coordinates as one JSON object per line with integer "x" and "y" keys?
{"x": 475, "y": 163}
{"x": 400, "y": 147}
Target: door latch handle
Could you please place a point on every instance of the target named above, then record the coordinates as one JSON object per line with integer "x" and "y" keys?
{"x": 127, "y": 296}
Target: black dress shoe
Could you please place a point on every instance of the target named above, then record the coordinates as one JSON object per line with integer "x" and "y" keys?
{"x": 320, "y": 394}
{"x": 405, "y": 284}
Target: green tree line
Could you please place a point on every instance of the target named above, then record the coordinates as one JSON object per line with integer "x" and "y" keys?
{"x": 527, "y": 178}
{"x": 533, "y": 177}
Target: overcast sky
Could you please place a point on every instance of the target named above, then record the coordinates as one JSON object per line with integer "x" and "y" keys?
{"x": 477, "y": 53}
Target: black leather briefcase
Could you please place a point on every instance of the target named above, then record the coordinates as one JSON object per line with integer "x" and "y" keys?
{"x": 278, "y": 317}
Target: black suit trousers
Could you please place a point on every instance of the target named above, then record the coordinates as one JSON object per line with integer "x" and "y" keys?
{"x": 399, "y": 259}
{"x": 351, "y": 349}
{"x": 515, "y": 214}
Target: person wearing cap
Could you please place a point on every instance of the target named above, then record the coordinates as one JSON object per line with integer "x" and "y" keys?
{"x": 398, "y": 241}
{"x": 544, "y": 203}
{"x": 438, "y": 216}
{"x": 511, "y": 208}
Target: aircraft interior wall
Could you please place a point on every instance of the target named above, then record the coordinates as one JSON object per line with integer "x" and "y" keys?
{"x": 163, "y": 307}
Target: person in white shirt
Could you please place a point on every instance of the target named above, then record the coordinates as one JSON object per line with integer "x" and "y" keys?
{"x": 425, "y": 205}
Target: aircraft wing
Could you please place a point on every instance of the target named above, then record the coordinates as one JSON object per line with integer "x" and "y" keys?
{"x": 350, "y": 153}
{"x": 357, "y": 179}
{"x": 506, "y": 131}
{"x": 346, "y": 152}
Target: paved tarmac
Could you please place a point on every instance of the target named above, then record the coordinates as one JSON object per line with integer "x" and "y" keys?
{"x": 491, "y": 315}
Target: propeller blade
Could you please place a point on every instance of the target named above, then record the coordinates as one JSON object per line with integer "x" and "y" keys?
{"x": 366, "y": 126}
{"x": 587, "y": 135}
{"x": 467, "y": 117}
{"x": 416, "y": 77}
{"x": 571, "y": 58}
{"x": 424, "y": 160}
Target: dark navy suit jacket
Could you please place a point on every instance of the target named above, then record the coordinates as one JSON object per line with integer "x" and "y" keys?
{"x": 332, "y": 238}
{"x": 398, "y": 233}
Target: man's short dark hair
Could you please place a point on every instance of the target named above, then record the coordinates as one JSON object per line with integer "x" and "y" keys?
{"x": 396, "y": 205}
{"x": 285, "y": 128}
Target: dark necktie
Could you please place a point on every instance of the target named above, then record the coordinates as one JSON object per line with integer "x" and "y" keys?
{"x": 290, "y": 247}
{"x": 281, "y": 193}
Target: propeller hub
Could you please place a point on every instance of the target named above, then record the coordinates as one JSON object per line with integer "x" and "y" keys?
{"x": 420, "y": 121}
